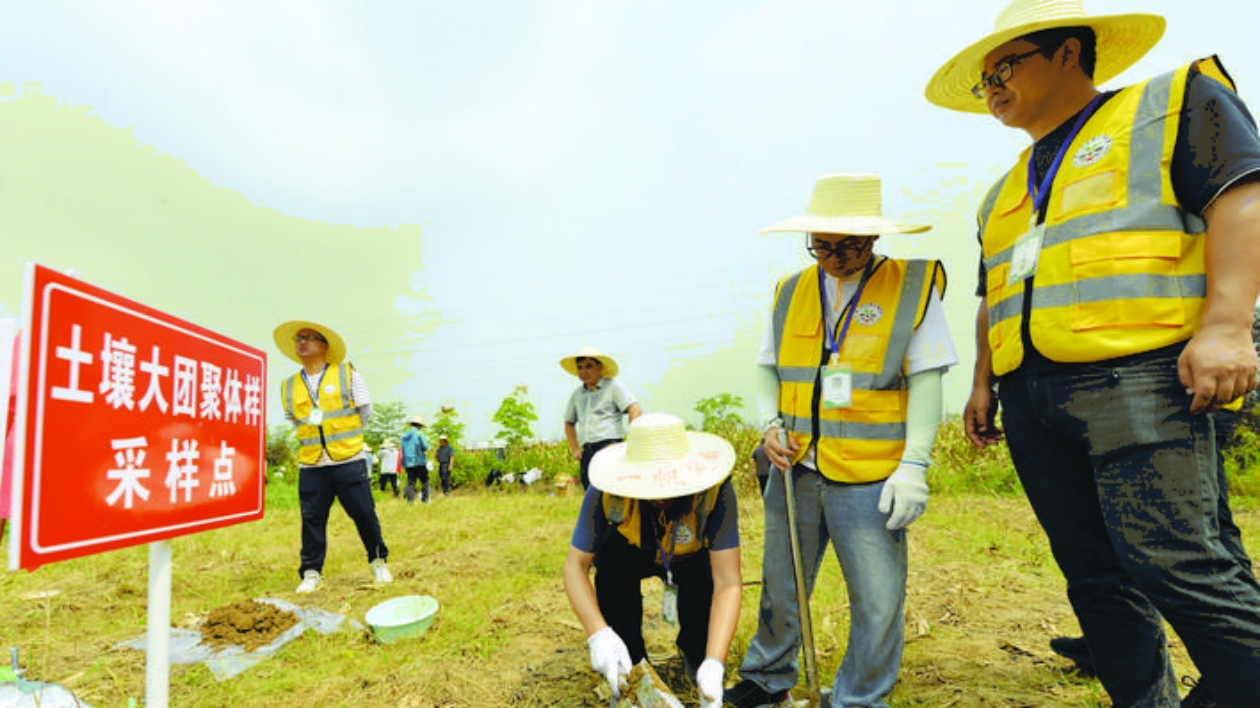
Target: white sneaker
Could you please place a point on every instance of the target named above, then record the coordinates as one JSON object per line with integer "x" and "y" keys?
{"x": 380, "y": 573}
{"x": 310, "y": 581}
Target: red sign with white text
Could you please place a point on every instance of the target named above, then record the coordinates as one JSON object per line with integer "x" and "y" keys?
{"x": 134, "y": 426}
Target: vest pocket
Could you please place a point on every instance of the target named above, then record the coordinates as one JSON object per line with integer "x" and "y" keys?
{"x": 867, "y": 348}
{"x": 1126, "y": 279}
{"x": 1090, "y": 193}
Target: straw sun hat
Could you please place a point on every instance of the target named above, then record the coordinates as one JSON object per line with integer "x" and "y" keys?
{"x": 1122, "y": 40}
{"x": 418, "y": 421}
{"x": 570, "y": 362}
{"x": 661, "y": 460}
{"x": 846, "y": 204}
{"x": 283, "y": 335}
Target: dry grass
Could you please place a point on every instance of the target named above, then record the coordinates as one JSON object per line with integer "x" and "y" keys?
{"x": 984, "y": 599}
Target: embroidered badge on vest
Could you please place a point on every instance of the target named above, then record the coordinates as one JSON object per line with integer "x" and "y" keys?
{"x": 682, "y": 534}
{"x": 1092, "y": 151}
{"x": 868, "y": 314}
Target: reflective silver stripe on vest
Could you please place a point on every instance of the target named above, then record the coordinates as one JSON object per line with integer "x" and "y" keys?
{"x": 1144, "y": 213}
{"x": 343, "y": 378}
{"x": 990, "y": 199}
{"x": 808, "y": 374}
{"x": 848, "y": 430}
{"x": 779, "y": 320}
{"x": 344, "y": 435}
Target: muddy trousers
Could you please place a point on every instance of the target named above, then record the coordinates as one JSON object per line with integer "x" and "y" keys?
{"x": 619, "y": 568}
{"x": 350, "y": 484}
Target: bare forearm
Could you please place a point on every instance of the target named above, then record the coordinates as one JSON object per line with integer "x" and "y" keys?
{"x": 984, "y": 357}
{"x": 577, "y": 585}
{"x": 1233, "y": 257}
{"x": 724, "y": 610}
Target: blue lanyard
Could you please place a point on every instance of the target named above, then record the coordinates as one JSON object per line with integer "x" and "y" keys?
{"x": 833, "y": 345}
{"x": 1039, "y": 196}
{"x": 660, "y": 545}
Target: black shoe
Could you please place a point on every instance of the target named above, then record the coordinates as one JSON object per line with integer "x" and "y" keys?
{"x": 1199, "y": 695}
{"x": 747, "y": 694}
{"x": 1074, "y": 649}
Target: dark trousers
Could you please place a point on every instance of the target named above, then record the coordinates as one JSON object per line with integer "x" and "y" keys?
{"x": 1224, "y": 423}
{"x": 444, "y": 471}
{"x": 418, "y": 479}
{"x": 588, "y": 451}
{"x": 1124, "y": 480}
{"x": 350, "y": 484}
{"x": 619, "y": 568}
{"x": 390, "y": 479}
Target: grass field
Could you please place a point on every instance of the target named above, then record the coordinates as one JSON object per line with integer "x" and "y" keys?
{"x": 984, "y": 598}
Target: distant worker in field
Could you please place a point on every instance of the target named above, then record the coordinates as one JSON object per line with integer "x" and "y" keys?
{"x": 661, "y": 504}
{"x": 849, "y": 383}
{"x": 329, "y": 403}
{"x": 391, "y": 463}
{"x": 597, "y": 410}
{"x": 445, "y": 462}
{"x": 415, "y": 448}
{"x": 1118, "y": 274}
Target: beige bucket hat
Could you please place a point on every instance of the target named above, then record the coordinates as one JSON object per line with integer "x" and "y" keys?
{"x": 1122, "y": 40}
{"x": 846, "y": 204}
{"x": 284, "y": 334}
{"x": 661, "y": 460}
{"x": 569, "y": 363}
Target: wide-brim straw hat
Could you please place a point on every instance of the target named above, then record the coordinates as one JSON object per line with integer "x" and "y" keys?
{"x": 846, "y": 204}
{"x": 283, "y": 335}
{"x": 661, "y": 460}
{"x": 418, "y": 420}
{"x": 1122, "y": 40}
{"x": 387, "y": 443}
{"x": 610, "y": 365}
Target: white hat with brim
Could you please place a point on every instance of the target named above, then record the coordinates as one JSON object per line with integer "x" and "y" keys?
{"x": 661, "y": 460}
{"x": 849, "y": 204}
{"x": 569, "y": 363}
{"x": 1121, "y": 41}
{"x": 285, "y": 333}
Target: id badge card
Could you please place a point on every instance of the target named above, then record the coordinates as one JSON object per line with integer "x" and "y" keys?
{"x": 1026, "y": 253}
{"x": 669, "y": 603}
{"x": 837, "y": 380}
{"x": 316, "y": 417}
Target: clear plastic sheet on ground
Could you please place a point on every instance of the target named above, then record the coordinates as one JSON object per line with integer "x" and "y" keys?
{"x": 187, "y": 647}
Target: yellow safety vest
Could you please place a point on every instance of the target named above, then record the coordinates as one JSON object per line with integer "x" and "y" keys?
{"x": 687, "y": 532}
{"x": 1121, "y": 269}
{"x": 341, "y": 431}
{"x": 864, "y": 442}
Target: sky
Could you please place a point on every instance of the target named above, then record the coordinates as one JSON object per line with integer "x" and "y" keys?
{"x": 502, "y": 182}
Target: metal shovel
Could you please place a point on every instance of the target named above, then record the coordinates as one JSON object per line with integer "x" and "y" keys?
{"x": 802, "y": 596}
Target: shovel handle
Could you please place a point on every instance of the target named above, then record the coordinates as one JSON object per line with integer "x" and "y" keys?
{"x": 802, "y": 597}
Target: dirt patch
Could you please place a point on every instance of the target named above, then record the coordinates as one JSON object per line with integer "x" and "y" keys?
{"x": 247, "y": 623}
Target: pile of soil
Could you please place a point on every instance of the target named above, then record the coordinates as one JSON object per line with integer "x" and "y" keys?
{"x": 247, "y": 623}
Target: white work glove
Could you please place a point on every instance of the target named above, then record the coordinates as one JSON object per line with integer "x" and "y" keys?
{"x": 709, "y": 683}
{"x": 610, "y": 657}
{"x": 905, "y": 495}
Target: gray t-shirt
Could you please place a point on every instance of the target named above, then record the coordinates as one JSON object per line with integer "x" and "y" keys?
{"x": 600, "y": 414}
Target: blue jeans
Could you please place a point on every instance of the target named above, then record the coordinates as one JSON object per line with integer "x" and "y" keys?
{"x": 873, "y": 560}
{"x": 1123, "y": 479}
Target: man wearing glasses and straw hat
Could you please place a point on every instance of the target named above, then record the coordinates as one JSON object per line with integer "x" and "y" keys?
{"x": 660, "y": 505}
{"x": 329, "y": 403}
{"x": 849, "y": 378}
{"x": 1119, "y": 272}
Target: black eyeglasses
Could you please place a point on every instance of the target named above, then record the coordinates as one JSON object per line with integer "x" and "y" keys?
{"x": 824, "y": 249}
{"x": 309, "y": 338}
{"x": 1003, "y": 70}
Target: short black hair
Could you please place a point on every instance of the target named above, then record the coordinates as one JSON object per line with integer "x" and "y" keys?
{"x": 580, "y": 359}
{"x": 1051, "y": 39}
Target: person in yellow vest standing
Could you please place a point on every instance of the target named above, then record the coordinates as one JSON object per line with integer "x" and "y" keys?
{"x": 849, "y": 383}
{"x": 660, "y": 504}
{"x": 329, "y": 403}
{"x": 1120, "y": 265}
